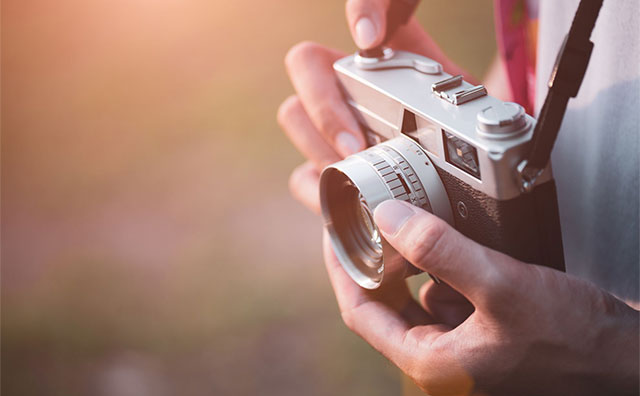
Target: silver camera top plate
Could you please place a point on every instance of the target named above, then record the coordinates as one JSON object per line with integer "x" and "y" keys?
{"x": 383, "y": 89}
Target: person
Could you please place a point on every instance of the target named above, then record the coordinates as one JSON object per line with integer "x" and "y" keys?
{"x": 499, "y": 326}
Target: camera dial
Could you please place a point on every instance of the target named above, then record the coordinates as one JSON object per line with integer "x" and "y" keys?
{"x": 501, "y": 120}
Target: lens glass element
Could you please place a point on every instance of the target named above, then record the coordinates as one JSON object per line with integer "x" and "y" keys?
{"x": 367, "y": 232}
{"x": 354, "y": 234}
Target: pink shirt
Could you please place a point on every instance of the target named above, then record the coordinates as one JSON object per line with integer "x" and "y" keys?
{"x": 516, "y": 31}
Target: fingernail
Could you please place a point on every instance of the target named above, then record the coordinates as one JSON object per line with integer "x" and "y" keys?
{"x": 391, "y": 215}
{"x": 347, "y": 144}
{"x": 365, "y": 33}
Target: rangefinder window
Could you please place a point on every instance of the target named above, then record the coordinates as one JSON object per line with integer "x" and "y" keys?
{"x": 461, "y": 154}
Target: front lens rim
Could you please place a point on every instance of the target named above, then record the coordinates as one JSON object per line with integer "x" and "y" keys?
{"x": 353, "y": 243}
{"x": 365, "y": 254}
{"x": 368, "y": 175}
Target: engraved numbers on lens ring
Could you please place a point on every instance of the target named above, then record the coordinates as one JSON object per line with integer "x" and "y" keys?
{"x": 398, "y": 175}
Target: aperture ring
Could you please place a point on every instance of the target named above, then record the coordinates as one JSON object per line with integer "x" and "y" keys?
{"x": 397, "y": 174}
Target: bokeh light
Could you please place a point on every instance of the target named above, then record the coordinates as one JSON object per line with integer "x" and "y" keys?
{"x": 149, "y": 244}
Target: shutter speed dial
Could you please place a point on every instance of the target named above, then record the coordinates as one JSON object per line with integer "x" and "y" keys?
{"x": 501, "y": 120}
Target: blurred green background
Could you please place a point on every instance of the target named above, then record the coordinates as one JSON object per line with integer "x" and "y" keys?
{"x": 149, "y": 244}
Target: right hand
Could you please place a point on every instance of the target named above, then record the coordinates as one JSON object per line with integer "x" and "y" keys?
{"x": 317, "y": 119}
{"x": 368, "y": 21}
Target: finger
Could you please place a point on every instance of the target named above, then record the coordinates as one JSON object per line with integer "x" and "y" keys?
{"x": 444, "y": 303}
{"x": 409, "y": 37}
{"x": 299, "y": 128}
{"x": 303, "y": 184}
{"x": 478, "y": 273}
{"x": 310, "y": 67}
{"x": 367, "y": 21}
{"x": 377, "y": 315}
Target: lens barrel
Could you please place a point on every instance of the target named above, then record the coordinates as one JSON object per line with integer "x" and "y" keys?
{"x": 351, "y": 189}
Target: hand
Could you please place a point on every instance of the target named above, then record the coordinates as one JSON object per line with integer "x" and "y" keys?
{"x": 498, "y": 326}
{"x": 517, "y": 326}
{"x": 317, "y": 119}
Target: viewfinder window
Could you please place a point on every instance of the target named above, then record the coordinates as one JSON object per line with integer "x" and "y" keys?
{"x": 461, "y": 154}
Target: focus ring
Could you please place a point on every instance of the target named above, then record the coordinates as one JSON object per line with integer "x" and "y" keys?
{"x": 395, "y": 169}
{"x": 397, "y": 174}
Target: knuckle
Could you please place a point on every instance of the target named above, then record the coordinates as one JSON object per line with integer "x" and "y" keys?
{"x": 601, "y": 302}
{"x": 424, "y": 248}
{"x": 497, "y": 284}
{"x": 294, "y": 181}
{"x": 300, "y": 52}
{"x": 303, "y": 185}
{"x": 325, "y": 117}
{"x": 290, "y": 106}
{"x": 423, "y": 293}
{"x": 347, "y": 318}
{"x": 501, "y": 286}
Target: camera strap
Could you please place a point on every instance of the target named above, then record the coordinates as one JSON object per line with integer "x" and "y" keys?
{"x": 564, "y": 83}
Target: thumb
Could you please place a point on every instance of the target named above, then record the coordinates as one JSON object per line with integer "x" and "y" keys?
{"x": 430, "y": 244}
{"x": 367, "y": 21}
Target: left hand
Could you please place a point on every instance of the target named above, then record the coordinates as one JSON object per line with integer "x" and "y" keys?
{"x": 498, "y": 325}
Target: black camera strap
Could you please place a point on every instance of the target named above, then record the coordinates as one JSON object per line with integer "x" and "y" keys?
{"x": 564, "y": 83}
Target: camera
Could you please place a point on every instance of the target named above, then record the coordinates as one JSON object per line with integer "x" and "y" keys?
{"x": 442, "y": 144}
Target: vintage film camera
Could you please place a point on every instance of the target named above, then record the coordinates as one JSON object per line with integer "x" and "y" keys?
{"x": 442, "y": 144}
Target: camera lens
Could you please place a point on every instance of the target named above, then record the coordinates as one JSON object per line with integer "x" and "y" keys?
{"x": 364, "y": 230}
{"x": 351, "y": 189}
{"x": 353, "y": 225}
{"x": 371, "y": 235}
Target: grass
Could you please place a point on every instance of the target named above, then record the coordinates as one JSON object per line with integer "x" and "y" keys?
{"x": 149, "y": 245}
